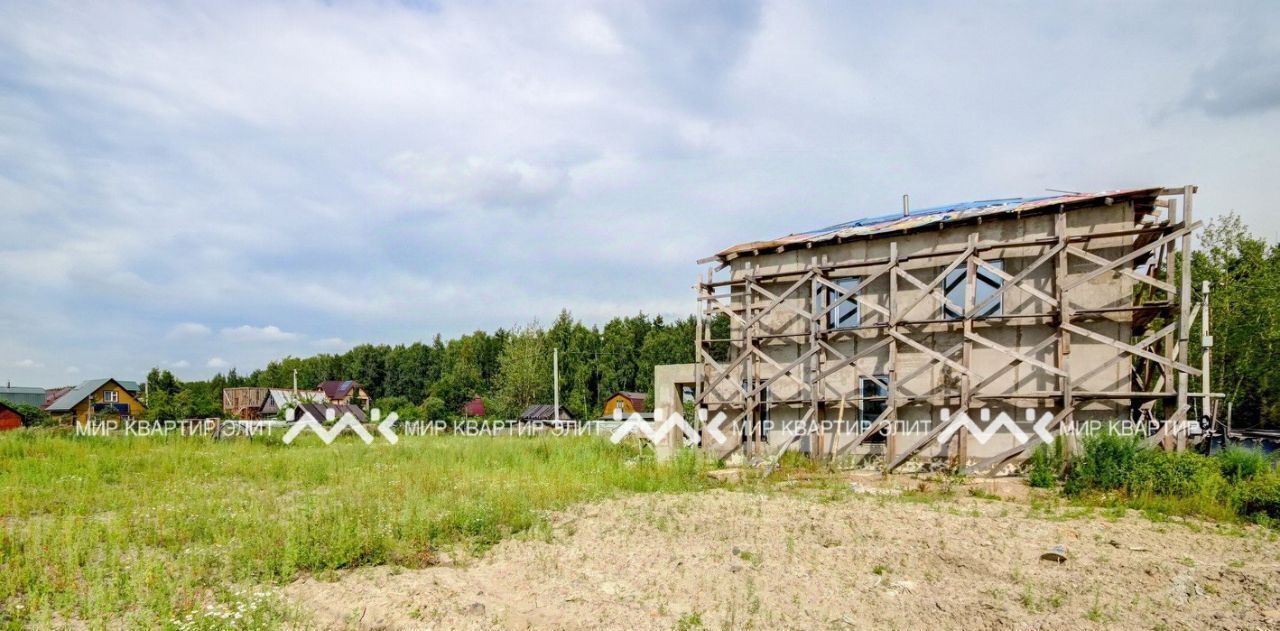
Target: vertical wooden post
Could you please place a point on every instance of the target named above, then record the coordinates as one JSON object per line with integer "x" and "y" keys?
{"x": 814, "y": 364}
{"x": 1063, "y": 350}
{"x": 699, "y": 347}
{"x": 1171, "y": 340}
{"x": 891, "y": 442}
{"x": 1184, "y": 319}
{"x": 966, "y": 384}
{"x": 749, "y": 372}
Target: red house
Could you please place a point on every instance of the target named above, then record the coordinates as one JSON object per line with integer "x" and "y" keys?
{"x": 474, "y": 407}
{"x": 9, "y": 418}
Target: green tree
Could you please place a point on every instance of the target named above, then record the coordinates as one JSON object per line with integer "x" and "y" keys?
{"x": 620, "y": 344}
{"x": 1244, "y": 300}
{"x": 162, "y": 381}
{"x": 32, "y": 416}
{"x": 524, "y": 376}
{"x": 665, "y": 344}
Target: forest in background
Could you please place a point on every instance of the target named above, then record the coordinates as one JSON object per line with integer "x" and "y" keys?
{"x": 511, "y": 368}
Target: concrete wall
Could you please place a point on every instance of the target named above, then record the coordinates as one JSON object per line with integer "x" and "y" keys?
{"x": 668, "y": 382}
{"x": 1107, "y": 290}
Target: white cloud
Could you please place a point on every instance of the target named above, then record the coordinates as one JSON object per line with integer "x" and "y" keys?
{"x": 187, "y": 331}
{"x": 329, "y": 343}
{"x": 378, "y": 171}
{"x": 217, "y": 362}
{"x": 28, "y": 363}
{"x": 71, "y": 370}
{"x": 248, "y": 333}
{"x": 181, "y": 363}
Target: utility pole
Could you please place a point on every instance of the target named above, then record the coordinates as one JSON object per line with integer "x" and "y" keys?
{"x": 555, "y": 378}
{"x": 1206, "y": 355}
{"x": 295, "y": 383}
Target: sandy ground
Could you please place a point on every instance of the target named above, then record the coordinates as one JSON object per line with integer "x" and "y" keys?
{"x": 817, "y": 560}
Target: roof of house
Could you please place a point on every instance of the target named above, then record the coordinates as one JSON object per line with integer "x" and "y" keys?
{"x": 283, "y": 397}
{"x": 544, "y": 412}
{"x": 53, "y": 394}
{"x": 338, "y": 389}
{"x": 131, "y": 386}
{"x": 634, "y": 396}
{"x": 937, "y": 216}
{"x": 639, "y": 400}
{"x": 79, "y": 393}
{"x": 319, "y": 411}
{"x": 18, "y": 395}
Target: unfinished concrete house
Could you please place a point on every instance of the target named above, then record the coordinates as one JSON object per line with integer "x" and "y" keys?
{"x": 867, "y": 338}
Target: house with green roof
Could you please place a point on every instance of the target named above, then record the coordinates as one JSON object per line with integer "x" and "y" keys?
{"x": 17, "y": 395}
{"x": 97, "y": 399}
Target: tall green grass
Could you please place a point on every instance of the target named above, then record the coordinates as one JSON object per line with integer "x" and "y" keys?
{"x": 141, "y": 530}
{"x": 1118, "y": 470}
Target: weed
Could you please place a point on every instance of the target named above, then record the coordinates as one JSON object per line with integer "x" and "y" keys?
{"x": 1239, "y": 463}
{"x": 1047, "y": 464}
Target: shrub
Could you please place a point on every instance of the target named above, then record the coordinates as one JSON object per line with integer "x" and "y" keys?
{"x": 1239, "y": 463}
{"x": 33, "y": 416}
{"x": 1046, "y": 465}
{"x": 1105, "y": 464}
{"x": 1260, "y": 495}
{"x": 1171, "y": 474}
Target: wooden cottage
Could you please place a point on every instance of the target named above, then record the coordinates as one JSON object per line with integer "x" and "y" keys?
{"x": 629, "y": 403}
{"x": 9, "y": 418}
{"x": 344, "y": 392}
{"x": 99, "y": 399}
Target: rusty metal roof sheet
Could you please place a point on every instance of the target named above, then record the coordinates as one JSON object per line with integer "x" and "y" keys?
{"x": 934, "y": 217}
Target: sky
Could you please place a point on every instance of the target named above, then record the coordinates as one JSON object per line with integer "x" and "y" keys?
{"x": 197, "y": 186}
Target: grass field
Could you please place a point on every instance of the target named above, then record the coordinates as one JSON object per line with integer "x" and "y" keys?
{"x": 177, "y": 532}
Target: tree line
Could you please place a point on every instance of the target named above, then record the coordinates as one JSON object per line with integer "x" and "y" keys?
{"x": 508, "y": 368}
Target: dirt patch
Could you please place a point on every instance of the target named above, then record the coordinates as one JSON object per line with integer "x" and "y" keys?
{"x": 774, "y": 561}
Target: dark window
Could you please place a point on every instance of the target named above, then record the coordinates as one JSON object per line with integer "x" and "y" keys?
{"x": 988, "y": 284}
{"x": 758, "y": 429}
{"x": 875, "y": 397}
{"x": 845, "y": 314}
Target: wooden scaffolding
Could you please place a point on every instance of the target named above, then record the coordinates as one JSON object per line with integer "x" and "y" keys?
{"x": 1157, "y": 260}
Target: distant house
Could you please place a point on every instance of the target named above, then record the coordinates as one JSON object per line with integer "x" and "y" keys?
{"x": 98, "y": 398}
{"x": 53, "y": 394}
{"x": 630, "y": 402}
{"x": 9, "y": 418}
{"x": 474, "y": 407}
{"x": 320, "y": 411}
{"x": 544, "y": 414}
{"x": 342, "y": 392}
{"x": 243, "y": 403}
{"x": 16, "y": 395}
{"x": 278, "y": 399}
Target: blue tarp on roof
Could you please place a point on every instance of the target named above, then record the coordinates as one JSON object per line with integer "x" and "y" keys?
{"x": 897, "y": 223}
{"x": 960, "y": 207}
